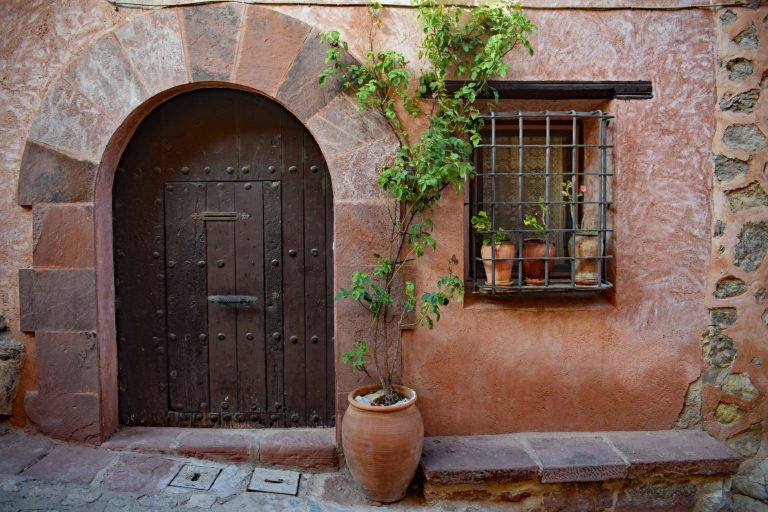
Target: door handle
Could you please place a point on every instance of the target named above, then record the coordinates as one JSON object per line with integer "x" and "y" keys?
{"x": 232, "y": 299}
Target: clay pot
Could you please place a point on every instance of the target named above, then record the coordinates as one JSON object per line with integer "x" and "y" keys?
{"x": 533, "y": 269}
{"x": 584, "y": 247}
{"x": 503, "y": 272}
{"x": 382, "y": 444}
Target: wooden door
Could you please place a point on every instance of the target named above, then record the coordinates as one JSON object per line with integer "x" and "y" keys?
{"x": 223, "y": 267}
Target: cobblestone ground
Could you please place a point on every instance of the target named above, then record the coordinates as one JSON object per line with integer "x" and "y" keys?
{"x": 39, "y": 474}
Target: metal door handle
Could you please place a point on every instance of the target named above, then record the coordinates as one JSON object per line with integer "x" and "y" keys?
{"x": 232, "y": 299}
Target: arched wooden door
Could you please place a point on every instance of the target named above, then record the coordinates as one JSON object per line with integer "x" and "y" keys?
{"x": 223, "y": 267}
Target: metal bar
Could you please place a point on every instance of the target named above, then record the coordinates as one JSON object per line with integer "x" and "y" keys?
{"x": 493, "y": 202}
{"x": 548, "y": 213}
{"x": 601, "y": 207}
{"x": 520, "y": 241}
{"x": 233, "y": 299}
{"x": 574, "y": 207}
{"x": 566, "y": 114}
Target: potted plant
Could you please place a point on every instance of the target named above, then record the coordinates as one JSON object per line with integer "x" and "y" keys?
{"x": 538, "y": 254}
{"x": 497, "y": 257}
{"x": 382, "y": 431}
{"x": 583, "y": 244}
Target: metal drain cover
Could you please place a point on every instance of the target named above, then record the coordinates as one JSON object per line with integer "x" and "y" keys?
{"x": 195, "y": 477}
{"x": 275, "y": 480}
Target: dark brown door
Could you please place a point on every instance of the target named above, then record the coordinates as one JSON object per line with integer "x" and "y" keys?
{"x": 223, "y": 267}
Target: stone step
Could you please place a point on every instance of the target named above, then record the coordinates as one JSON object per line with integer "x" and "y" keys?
{"x": 664, "y": 470}
{"x": 312, "y": 449}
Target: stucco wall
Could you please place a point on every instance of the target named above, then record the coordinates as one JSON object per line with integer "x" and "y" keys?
{"x": 623, "y": 363}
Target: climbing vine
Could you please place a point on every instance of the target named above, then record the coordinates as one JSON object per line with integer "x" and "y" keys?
{"x": 464, "y": 43}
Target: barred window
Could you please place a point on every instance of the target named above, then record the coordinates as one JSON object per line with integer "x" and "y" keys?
{"x": 539, "y": 207}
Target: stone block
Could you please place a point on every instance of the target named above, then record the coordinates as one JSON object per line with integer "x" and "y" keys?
{"x": 745, "y": 136}
{"x": 213, "y": 446}
{"x": 161, "y": 440}
{"x": 313, "y": 449}
{"x": 48, "y": 176}
{"x": 743, "y": 198}
{"x": 67, "y": 120}
{"x": 300, "y": 91}
{"x": 20, "y": 451}
{"x": 60, "y": 464}
{"x": 211, "y": 39}
{"x": 656, "y": 497}
{"x": 730, "y": 286}
{"x": 57, "y": 300}
{"x": 354, "y": 173}
{"x": 577, "y": 459}
{"x": 139, "y": 473}
{"x": 727, "y": 168}
{"x": 741, "y": 102}
{"x": 154, "y": 47}
{"x": 581, "y": 498}
{"x": 104, "y": 75}
{"x": 747, "y": 443}
{"x": 674, "y": 453}
{"x": 752, "y": 245}
{"x": 11, "y": 361}
{"x": 63, "y": 235}
{"x": 340, "y": 127}
{"x": 747, "y": 38}
{"x": 360, "y": 230}
{"x": 270, "y": 43}
{"x": 71, "y": 416}
{"x": 67, "y": 362}
{"x": 476, "y": 459}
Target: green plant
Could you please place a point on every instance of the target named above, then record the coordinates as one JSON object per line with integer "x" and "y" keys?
{"x": 481, "y": 223}
{"x": 467, "y": 43}
{"x": 538, "y": 223}
{"x": 572, "y": 196}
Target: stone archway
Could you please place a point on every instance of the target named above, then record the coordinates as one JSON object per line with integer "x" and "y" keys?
{"x": 85, "y": 121}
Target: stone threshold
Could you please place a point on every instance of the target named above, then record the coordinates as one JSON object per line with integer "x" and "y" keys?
{"x": 306, "y": 449}
{"x": 673, "y": 470}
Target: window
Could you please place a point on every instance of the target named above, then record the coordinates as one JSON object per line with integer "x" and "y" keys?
{"x": 542, "y": 196}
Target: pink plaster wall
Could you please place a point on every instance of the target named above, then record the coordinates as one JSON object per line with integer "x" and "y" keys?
{"x": 490, "y": 367}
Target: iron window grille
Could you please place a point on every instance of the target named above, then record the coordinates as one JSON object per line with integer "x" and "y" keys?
{"x": 524, "y": 167}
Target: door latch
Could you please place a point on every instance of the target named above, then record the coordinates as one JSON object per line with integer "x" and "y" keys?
{"x": 232, "y": 299}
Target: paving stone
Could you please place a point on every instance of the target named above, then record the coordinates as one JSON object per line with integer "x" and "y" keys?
{"x": 211, "y": 445}
{"x": 71, "y": 463}
{"x": 313, "y": 449}
{"x": 674, "y": 453}
{"x": 274, "y": 481}
{"x": 232, "y": 480}
{"x": 139, "y": 473}
{"x": 48, "y": 176}
{"x": 57, "y": 300}
{"x": 271, "y": 41}
{"x": 204, "y": 501}
{"x": 193, "y": 476}
{"x": 63, "y": 235}
{"x": 162, "y": 440}
{"x": 154, "y": 47}
{"x": 105, "y": 77}
{"x": 71, "y": 416}
{"x": 20, "y": 452}
{"x": 211, "y": 39}
{"x": 475, "y": 459}
{"x": 67, "y": 361}
{"x": 577, "y": 459}
{"x": 69, "y": 121}
{"x": 300, "y": 92}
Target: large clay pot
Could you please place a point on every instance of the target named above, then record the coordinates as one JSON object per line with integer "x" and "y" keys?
{"x": 382, "y": 444}
{"x": 503, "y": 274}
{"x": 533, "y": 269}
{"x": 584, "y": 248}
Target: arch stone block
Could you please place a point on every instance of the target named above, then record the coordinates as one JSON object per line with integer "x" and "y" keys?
{"x": 49, "y": 176}
{"x": 211, "y": 39}
{"x": 154, "y": 47}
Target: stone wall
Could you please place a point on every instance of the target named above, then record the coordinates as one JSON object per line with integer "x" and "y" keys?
{"x": 731, "y": 394}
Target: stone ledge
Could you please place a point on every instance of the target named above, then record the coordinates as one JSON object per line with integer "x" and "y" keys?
{"x": 664, "y": 470}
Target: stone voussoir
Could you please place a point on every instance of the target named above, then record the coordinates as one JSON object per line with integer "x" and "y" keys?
{"x": 207, "y": 445}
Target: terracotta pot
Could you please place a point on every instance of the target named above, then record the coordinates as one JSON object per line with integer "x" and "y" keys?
{"x": 584, "y": 247}
{"x": 382, "y": 444}
{"x": 503, "y": 274}
{"x": 533, "y": 269}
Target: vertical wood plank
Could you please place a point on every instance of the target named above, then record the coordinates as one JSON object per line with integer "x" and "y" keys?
{"x": 249, "y": 242}
{"x": 186, "y": 301}
{"x": 294, "y": 273}
{"x": 330, "y": 353}
{"x": 222, "y": 318}
{"x": 273, "y": 284}
{"x": 315, "y": 282}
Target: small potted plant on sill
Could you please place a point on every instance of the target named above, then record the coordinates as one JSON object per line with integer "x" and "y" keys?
{"x": 382, "y": 430}
{"x": 583, "y": 244}
{"x": 498, "y": 258}
{"x": 536, "y": 250}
